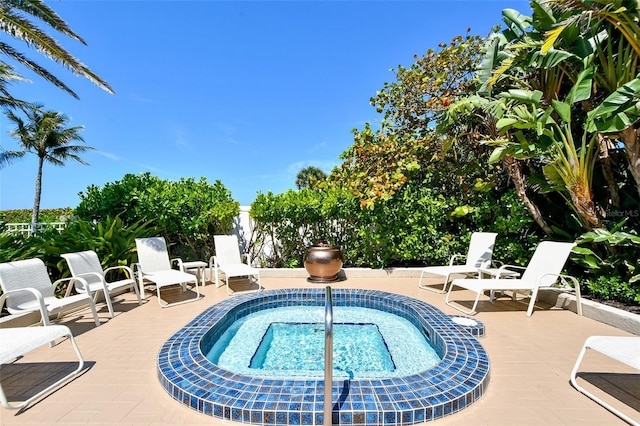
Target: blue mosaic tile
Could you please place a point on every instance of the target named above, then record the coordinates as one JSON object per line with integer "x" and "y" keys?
{"x": 457, "y": 381}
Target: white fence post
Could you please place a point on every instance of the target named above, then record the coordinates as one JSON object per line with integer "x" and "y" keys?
{"x": 27, "y": 228}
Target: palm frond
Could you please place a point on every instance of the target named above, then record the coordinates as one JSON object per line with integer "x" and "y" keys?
{"x": 22, "y": 29}
{"x": 40, "y": 10}
{"x": 33, "y": 66}
{"x": 7, "y": 157}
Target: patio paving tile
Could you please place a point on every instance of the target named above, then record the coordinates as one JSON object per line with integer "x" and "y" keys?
{"x": 531, "y": 359}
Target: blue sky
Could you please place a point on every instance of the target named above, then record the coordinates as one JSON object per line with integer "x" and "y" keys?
{"x": 244, "y": 92}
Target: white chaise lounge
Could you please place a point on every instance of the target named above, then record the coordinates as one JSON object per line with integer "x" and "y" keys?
{"x": 86, "y": 264}
{"x": 625, "y": 349}
{"x": 18, "y": 341}
{"x": 543, "y": 271}
{"x": 228, "y": 261}
{"x": 29, "y": 288}
{"x": 154, "y": 266}
{"x": 478, "y": 255}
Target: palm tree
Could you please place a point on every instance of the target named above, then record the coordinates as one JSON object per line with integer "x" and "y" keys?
{"x": 44, "y": 133}
{"x": 14, "y": 21}
{"x": 309, "y": 177}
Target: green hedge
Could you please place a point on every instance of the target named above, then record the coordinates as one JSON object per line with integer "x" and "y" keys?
{"x": 46, "y": 215}
{"x": 186, "y": 212}
{"x": 414, "y": 228}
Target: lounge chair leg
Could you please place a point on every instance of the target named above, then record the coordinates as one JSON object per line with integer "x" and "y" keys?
{"x": 217, "y": 277}
{"x": 166, "y": 305}
{"x": 582, "y": 390}
{"x": 435, "y": 290}
{"x": 107, "y": 299}
{"x": 3, "y": 398}
{"x": 135, "y": 288}
{"x": 141, "y": 288}
{"x": 576, "y": 288}
{"x": 532, "y": 302}
{"x": 472, "y": 311}
{"x": 94, "y": 312}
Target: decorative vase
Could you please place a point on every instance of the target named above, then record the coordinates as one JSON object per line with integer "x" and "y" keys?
{"x": 323, "y": 263}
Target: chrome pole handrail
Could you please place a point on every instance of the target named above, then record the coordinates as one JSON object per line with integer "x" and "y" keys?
{"x": 328, "y": 358}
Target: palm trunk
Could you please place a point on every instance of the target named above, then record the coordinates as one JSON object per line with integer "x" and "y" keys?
{"x": 607, "y": 171}
{"x": 632, "y": 147}
{"x": 36, "y": 201}
{"x": 514, "y": 169}
{"x": 584, "y": 207}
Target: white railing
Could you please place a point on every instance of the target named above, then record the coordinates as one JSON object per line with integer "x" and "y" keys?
{"x": 29, "y": 228}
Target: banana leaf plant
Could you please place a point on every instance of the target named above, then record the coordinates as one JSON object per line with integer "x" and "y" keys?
{"x": 535, "y": 131}
{"x": 611, "y": 252}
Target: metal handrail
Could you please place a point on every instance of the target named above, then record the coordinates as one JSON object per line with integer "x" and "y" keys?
{"x": 328, "y": 358}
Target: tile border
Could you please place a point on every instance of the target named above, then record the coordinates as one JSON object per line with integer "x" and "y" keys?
{"x": 457, "y": 381}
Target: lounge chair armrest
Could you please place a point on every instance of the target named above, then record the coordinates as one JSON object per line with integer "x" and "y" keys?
{"x": 179, "y": 262}
{"x": 3, "y": 297}
{"x": 82, "y": 279}
{"x": 71, "y": 281}
{"x": 88, "y": 274}
{"x": 574, "y": 280}
{"x": 36, "y": 293}
{"x": 32, "y": 290}
{"x": 137, "y": 271}
{"x": 564, "y": 284}
{"x": 124, "y": 268}
{"x": 454, "y": 257}
{"x": 516, "y": 267}
{"x": 564, "y": 281}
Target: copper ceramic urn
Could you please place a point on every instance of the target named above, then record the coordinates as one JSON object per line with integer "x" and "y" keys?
{"x": 323, "y": 263}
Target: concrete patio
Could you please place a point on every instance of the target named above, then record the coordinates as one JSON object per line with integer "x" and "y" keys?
{"x": 531, "y": 359}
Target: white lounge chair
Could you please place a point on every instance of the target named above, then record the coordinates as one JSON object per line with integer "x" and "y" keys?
{"x": 227, "y": 260}
{"x": 543, "y": 271}
{"x": 478, "y": 256}
{"x": 29, "y": 288}
{"x": 18, "y": 341}
{"x": 625, "y": 349}
{"x": 86, "y": 264}
{"x": 154, "y": 266}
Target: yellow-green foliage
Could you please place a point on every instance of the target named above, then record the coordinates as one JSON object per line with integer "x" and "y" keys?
{"x": 46, "y": 215}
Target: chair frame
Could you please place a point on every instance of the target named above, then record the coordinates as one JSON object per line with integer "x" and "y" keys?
{"x": 164, "y": 277}
{"x": 477, "y": 245}
{"x": 518, "y": 285}
{"x": 235, "y": 269}
{"x": 107, "y": 287}
{"x": 625, "y": 349}
{"x": 41, "y": 301}
{"x": 19, "y": 340}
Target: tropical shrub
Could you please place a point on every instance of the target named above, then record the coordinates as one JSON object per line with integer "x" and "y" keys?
{"x": 612, "y": 288}
{"x": 111, "y": 240}
{"x": 610, "y": 262}
{"x": 289, "y": 222}
{"x": 14, "y": 246}
{"x": 186, "y": 212}
{"x": 416, "y": 227}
